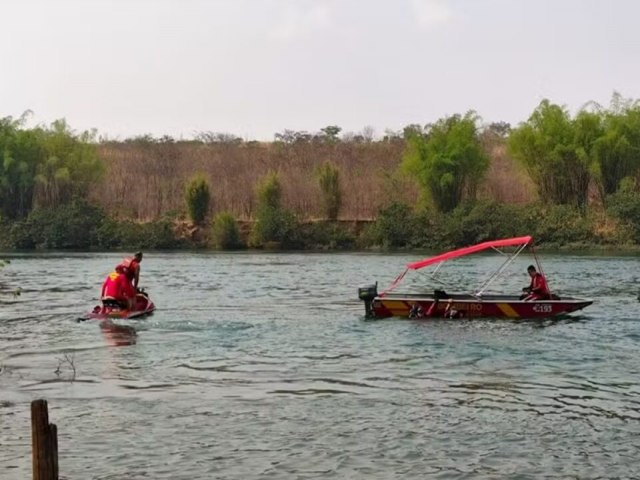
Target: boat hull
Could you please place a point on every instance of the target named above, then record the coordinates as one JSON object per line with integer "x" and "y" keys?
{"x": 467, "y": 306}
{"x": 143, "y": 306}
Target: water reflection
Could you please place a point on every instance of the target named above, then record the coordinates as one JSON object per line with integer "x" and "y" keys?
{"x": 117, "y": 335}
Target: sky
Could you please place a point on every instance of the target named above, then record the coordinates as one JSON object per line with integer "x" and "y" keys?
{"x": 257, "y": 67}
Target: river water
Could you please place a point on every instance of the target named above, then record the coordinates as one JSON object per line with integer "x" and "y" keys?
{"x": 260, "y": 365}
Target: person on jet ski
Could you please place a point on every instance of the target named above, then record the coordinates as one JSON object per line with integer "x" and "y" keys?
{"x": 117, "y": 287}
{"x": 132, "y": 264}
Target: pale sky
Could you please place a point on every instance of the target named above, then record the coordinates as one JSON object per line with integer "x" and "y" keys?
{"x": 257, "y": 67}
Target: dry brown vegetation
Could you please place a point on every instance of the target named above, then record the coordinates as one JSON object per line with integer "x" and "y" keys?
{"x": 146, "y": 180}
{"x": 506, "y": 181}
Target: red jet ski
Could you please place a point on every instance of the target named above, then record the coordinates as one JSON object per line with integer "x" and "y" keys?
{"x": 112, "y": 309}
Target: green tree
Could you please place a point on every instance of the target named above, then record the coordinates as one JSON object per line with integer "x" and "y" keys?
{"x": 198, "y": 196}
{"x": 617, "y": 151}
{"x": 447, "y": 160}
{"x": 330, "y": 133}
{"x": 500, "y": 129}
{"x": 44, "y": 166}
{"x": 588, "y": 129}
{"x": 558, "y": 152}
{"x": 20, "y": 151}
{"x": 329, "y": 180}
{"x": 68, "y": 166}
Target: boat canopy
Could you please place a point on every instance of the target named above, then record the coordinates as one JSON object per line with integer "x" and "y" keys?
{"x": 520, "y": 242}
{"x": 506, "y": 242}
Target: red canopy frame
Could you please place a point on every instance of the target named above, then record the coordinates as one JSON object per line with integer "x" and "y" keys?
{"x": 461, "y": 252}
{"x": 522, "y": 242}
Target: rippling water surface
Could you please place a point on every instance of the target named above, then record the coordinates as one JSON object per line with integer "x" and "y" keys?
{"x": 262, "y": 366}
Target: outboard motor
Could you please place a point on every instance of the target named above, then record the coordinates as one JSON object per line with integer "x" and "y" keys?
{"x": 367, "y": 293}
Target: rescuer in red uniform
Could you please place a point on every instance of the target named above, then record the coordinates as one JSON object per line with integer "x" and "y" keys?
{"x": 118, "y": 287}
{"x": 132, "y": 264}
{"x": 538, "y": 288}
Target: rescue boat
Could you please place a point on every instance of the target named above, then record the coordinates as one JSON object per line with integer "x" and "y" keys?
{"x": 476, "y": 304}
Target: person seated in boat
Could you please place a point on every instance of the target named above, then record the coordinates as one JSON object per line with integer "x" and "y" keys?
{"x": 118, "y": 288}
{"x": 537, "y": 289}
{"x": 132, "y": 265}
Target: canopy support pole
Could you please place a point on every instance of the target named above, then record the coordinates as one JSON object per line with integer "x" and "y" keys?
{"x": 437, "y": 268}
{"x": 395, "y": 283}
{"x": 504, "y": 266}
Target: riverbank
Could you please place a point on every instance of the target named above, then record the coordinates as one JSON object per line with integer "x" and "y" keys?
{"x": 82, "y": 226}
{"x": 409, "y": 190}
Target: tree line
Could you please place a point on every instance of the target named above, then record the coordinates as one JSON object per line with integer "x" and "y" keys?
{"x": 432, "y": 194}
{"x": 564, "y": 155}
{"x": 44, "y": 166}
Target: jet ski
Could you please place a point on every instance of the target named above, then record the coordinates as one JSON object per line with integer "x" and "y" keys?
{"x": 111, "y": 309}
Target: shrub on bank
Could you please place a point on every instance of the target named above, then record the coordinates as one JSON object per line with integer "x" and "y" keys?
{"x": 225, "y": 232}
{"x": 625, "y": 206}
{"x": 6, "y": 242}
{"x": 562, "y": 225}
{"x": 70, "y": 226}
{"x": 395, "y": 227}
{"x": 326, "y": 236}
{"x": 131, "y": 235}
{"x": 82, "y": 226}
{"x": 474, "y": 223}
{"x": 431, "y": 231}
{"x": 274, "y": 225}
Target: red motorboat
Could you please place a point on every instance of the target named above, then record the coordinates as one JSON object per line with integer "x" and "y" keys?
{"x": 466, "y": 305}
{"x": 113, "y": 310}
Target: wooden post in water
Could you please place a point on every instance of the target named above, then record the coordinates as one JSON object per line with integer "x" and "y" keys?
{"x": 44, "y": 442}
